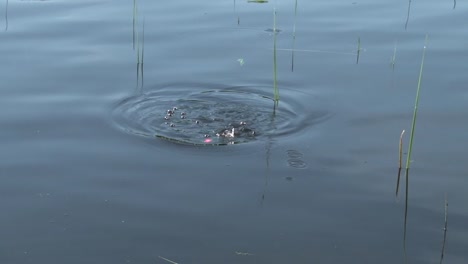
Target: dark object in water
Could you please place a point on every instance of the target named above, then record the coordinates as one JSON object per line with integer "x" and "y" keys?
{"x": 226, "y": 133}
{"x": 270, "y": 30}
{"x": 232, "y": 132}
{"x": 236, "y": 131}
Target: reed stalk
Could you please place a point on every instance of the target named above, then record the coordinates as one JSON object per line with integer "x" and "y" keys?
{"x": 400, "y": 152}
{"x": 401, "y": 147}
{"x": 135, "y": 14}
{"x": 405, "y": 224}
{"x": 358, "y": 49}
{"x": 294, "y": 37}
{"x": 275, "y": 72}
{"x": 137, "y": 44}
{"x": 410, "y": 146}
{"x": 142, "y": 54}
{"x": 168, "y": 260}
{"x": 445, "y": 231}
{"x": 416, "y": 103}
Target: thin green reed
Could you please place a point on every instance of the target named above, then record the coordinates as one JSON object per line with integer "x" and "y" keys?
{"x": 275, "y": 80}
{"x": 416, "y": 103}
{"x": 140, "y": 43}
{"x": 400, "y": 156}
{"x": 135, "y": 13}
{"x": 168, "y": 260}
{"x": 138, "y": 55}
{"x": 294, "y": 37}
{"x": 358, "y": 50}
{"x": 410, "y": 146}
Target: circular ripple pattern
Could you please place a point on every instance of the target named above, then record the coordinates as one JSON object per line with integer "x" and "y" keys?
{"x": 202, "y": 115}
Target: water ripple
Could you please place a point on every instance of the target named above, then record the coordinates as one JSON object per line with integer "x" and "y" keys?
{"x": 207, "y": 114}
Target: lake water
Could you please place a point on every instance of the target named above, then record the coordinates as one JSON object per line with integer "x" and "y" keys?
{"x": 91, "y": 173}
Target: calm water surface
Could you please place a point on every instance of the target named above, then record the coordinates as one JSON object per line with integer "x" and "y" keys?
{"x": 85, "y": 179}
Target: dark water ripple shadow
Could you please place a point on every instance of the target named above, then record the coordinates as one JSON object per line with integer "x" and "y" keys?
{"x": 296, "y": 159}
{"x": 211, "y": 114}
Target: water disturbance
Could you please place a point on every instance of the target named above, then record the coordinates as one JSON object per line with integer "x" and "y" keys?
{"x": 214, "y": 116}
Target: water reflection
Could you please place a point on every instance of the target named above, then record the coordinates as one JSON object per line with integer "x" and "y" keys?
{"x": 269, "y": 143}
{"x": 408, "y": 15}
{"x": 442, "y": 253}
{"x": 139, "y": 44}
{"x": 406, "y": 216}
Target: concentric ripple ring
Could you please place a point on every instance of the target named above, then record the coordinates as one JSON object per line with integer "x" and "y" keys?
{"x": 210, "y": 115}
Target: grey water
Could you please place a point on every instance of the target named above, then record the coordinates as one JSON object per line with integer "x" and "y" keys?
{"x": 91, "y": 173}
